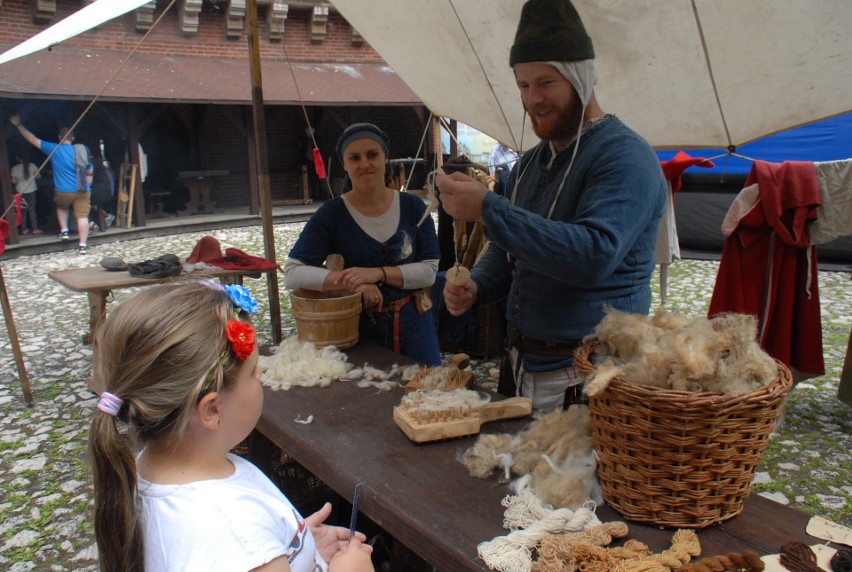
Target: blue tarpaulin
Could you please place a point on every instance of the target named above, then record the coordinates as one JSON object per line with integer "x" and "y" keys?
{"x": 826, "y": 140}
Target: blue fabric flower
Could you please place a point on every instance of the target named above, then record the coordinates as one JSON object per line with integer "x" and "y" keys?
{"x": 241, "y": 298}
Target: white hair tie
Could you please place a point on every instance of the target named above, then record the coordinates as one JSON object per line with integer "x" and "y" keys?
{"x": 110, "y": 404}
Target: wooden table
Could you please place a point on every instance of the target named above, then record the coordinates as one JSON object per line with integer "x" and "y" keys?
{"x": 97, "y": 282}
{"x": 199, "y": 184}
{"x": 157, "y": 199}
{"x": 423, "y": 497}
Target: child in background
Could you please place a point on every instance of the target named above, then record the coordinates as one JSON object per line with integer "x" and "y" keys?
{"x": 24, "y": 178}
{"x": 179, "y": 364}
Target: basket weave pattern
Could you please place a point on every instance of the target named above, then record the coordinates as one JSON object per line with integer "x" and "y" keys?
{"x": 677, "y": 458}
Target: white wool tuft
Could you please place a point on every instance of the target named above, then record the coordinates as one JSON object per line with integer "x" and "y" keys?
{"x": 373, "y": 373}
{"x": 386, "y": 385}
{"x": 435, "y": 403}
{"x": 303, "y": 364}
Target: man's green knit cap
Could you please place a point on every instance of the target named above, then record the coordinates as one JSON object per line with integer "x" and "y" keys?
{"x": 550, "y": 31}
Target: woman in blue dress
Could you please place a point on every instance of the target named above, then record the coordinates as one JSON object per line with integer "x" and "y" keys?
{"x": 389, "y": 247}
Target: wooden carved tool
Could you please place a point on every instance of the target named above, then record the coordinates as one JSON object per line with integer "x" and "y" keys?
{"x": 451, "y": 424}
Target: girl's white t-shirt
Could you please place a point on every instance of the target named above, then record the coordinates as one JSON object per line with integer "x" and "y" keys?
{"x": 233, "y": 524}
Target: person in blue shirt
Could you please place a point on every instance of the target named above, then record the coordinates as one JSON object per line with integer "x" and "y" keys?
{"x": 64, "y": 162}
{"x": 576, "y": 226}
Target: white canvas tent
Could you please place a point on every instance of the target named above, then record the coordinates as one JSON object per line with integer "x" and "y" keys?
{"x": 683, "y": 73}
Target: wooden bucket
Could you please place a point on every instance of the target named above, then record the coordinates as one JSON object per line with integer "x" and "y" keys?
{"x": 327, "y": 318}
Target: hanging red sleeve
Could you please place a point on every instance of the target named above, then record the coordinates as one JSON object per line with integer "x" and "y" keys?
{"x": 319, "y": 167}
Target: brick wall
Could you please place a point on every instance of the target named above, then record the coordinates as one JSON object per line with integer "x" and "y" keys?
{"x": 210, "y": 40}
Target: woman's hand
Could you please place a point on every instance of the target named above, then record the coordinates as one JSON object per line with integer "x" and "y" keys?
{"x": 356, "y": 276}
{"x": 371, "y": 296}
{"x": 332, "y": 539}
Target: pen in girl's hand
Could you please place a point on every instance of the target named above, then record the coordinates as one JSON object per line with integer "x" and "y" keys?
{"x": 354, "y": 519}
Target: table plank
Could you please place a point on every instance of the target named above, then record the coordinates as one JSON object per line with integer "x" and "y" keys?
{"x": 99, "y": 278}
{"x": 423, "y": 496}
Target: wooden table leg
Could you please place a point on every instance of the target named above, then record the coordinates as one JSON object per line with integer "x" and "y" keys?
{"x": 16, "y": 345}
{"x": 97, "y": 313}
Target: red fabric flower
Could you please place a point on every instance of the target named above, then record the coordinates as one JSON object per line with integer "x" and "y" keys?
{"x": 242, "y": 338}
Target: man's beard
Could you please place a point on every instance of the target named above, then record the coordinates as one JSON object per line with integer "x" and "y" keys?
{"x": 563, "y": 127}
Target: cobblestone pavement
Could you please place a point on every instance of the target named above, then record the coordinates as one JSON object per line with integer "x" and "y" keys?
{"x": 45, "y": 491}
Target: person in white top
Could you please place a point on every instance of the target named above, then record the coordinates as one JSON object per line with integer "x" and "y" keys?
{"x": 179, "y": 364}
{"x": 24, "y": 178}
{"x": 501, "y": 161}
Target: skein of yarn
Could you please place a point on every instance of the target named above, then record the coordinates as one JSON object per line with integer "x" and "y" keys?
{"x": 842, "y": 561}
{"x": 796, "y": 556}
{"x": 748, "y": 561}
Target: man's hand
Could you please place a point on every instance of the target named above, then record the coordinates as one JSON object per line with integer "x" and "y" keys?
{"x": 15, "y": 119}
{"x": 460, "y": 299}
{"x": 461, "y": 196}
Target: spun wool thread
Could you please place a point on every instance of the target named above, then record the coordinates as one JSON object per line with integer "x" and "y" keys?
{"x": 684, "y": 546}
{"x": 530, "y": 522}
{"x": 556, "y": 552}
{"x": 569, "y": 552}
{"x": 748, "y": 561}
{"x": 841, "y": 561}
{"x": 796, "y": 556}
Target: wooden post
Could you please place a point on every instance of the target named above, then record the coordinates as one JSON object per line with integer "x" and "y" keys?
{"x": 16, "y": 344}
{"x": 263, "y": 168}
{"x": 130, "y": 192}
{"x": 6, "y": 191}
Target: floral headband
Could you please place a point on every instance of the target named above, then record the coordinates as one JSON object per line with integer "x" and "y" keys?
{"x": 241, "y": 335}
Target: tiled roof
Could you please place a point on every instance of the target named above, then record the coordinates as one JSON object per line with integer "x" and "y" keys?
{"x": 73, "y": 73}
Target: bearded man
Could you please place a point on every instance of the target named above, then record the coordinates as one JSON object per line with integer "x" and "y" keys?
{"x": 575, "y": 228}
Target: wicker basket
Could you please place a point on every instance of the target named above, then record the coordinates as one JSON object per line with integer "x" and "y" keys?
{"x": 305, "y": 490}
{"x": 676, "y": 458}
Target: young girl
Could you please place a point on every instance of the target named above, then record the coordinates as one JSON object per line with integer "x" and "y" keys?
{"x": 179, "y": 364}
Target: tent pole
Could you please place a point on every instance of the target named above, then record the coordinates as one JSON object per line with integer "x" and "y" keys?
{"x": 263, "y": 168}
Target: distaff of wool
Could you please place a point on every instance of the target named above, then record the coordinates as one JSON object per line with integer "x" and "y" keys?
{"x": 674, "y": 352}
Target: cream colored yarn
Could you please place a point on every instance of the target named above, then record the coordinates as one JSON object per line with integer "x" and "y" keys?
{"x": 530, "y": 521}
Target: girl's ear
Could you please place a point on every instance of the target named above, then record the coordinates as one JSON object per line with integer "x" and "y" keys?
{"x": 208, "y": 411}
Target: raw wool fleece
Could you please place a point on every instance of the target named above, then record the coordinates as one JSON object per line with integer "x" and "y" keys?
{"x": 437, "y": 404}
{"x": 300, "y": 363}
{"x": 673, "y": 352}
{"x": 295, "y": 362}
{"x": 554, "y": 456}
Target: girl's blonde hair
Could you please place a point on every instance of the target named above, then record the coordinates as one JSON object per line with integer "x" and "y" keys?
{"x": 161, "y": 352}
